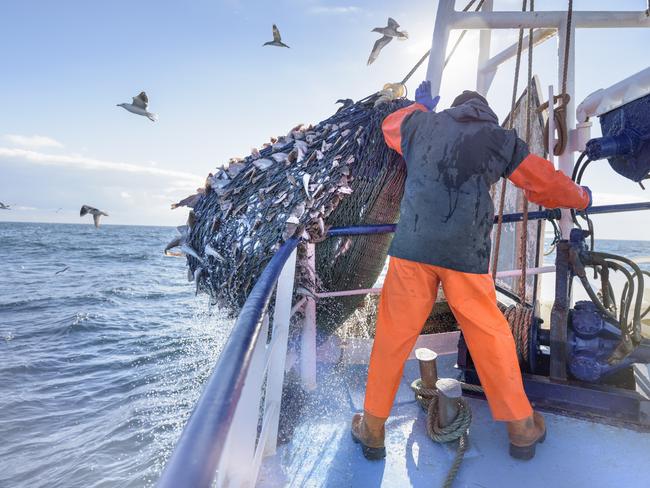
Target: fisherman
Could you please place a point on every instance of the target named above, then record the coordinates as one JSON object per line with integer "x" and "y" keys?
{"x": 443, "y": 236}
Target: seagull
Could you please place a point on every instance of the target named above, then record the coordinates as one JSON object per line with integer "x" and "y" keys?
{"x": 388, "y": 32}
{"x": 277, "y": 39}
{"x": 87, "y": 209}
{"x": 4, "y": 207}
{"x": 346, "y": 103}
{"x": 139, "y": 106}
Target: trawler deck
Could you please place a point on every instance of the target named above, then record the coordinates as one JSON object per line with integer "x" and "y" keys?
{"x": 577, "y": 453}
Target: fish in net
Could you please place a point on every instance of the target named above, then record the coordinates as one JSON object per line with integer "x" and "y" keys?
{"x": 338, "y": 172}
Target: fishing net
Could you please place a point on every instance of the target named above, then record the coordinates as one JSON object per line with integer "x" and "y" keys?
{"x": 336, "y": 173}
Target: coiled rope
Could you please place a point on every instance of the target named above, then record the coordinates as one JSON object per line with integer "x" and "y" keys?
{"x": 520, "y": 318}
{"x": 457, "y": 430}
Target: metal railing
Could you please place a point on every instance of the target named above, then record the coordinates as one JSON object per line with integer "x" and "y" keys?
{"x": 223, "y": 439}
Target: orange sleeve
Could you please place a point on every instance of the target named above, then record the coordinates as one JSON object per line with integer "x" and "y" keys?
{"x": 393, "y": 123}
{"x": 546, "y": 186}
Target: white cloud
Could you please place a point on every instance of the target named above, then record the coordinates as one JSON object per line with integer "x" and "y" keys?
{"x": 125, "y": 195}
{"x": 187, "y": 180}
{"x": 32, "y": 141}
{"x": 23, "y": 208}
{"x": 322, "y": 9}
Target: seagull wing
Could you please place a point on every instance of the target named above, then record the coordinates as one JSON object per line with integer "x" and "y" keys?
{"x": 276, "y": 34}
{"x": 86, "y": 209}
{"x": 379, "y": 45}
{"x": 96, "y": 218}
{"x": 141, "y": 100}
{"x": 392, "y": 23}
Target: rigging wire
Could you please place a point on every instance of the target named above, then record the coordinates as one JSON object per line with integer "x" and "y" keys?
{"x": 504, "y": 183}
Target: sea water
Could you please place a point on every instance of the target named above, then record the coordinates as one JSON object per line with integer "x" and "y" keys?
{"x": 100, "y": 365}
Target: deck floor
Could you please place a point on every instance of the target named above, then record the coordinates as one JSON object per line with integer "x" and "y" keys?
{"x": 576, "y": 454}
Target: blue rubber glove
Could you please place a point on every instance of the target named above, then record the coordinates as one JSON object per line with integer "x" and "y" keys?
{"x": 591, "y": 198}
{"x": 423, "y": 96}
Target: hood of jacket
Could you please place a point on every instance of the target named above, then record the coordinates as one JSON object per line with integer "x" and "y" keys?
{"x": 473, "y": 110}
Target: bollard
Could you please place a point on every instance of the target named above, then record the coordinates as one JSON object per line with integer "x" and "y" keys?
{"x": 428, "y": 367}
{"x": 449, "y": 391}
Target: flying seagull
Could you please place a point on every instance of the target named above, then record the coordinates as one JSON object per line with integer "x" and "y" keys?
{"x": 4, "y": 207}
{"x": 389, "y": 32}
{"x": 139, "y": 106}
{"x": 87, "y": 209}
{"x": 277, "y": 39}
{"x": 346, "y": 102}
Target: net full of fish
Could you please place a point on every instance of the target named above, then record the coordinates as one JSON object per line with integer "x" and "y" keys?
{"x": 336, "y": 173}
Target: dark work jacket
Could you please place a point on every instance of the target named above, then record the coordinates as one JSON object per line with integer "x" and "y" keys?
{"x": 453, "y": 158}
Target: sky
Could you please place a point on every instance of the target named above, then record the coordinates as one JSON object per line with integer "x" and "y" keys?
{"x": 66, "y": 64}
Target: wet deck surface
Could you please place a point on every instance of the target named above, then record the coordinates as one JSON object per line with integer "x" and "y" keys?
{"x": 577, "y": 453}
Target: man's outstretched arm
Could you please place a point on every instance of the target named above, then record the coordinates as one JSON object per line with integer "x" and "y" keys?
{"x": 546, "y": 186}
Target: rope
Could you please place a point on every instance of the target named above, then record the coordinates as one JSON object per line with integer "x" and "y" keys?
{"x": 520, "y": 318}
{"x": 472, "y": 388}
{"x": 567, "y": 44}
{"x": 457, "y": 430}
{"x": 504, "y": 181}
{"x": 523, "y": 242}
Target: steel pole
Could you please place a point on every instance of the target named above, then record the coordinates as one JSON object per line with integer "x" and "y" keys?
{"x": 427, "y": 360}
{"x": 449, "y": 392}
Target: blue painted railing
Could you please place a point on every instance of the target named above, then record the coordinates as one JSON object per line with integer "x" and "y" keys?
{"x": 551, "y": 214}
{"x": 196, "y": 455}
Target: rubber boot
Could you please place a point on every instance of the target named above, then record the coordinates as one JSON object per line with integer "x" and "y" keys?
{"x": 525, "y": 435}
{"x": 369, "y": 431}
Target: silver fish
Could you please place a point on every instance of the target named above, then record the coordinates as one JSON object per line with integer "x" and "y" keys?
{"x": 172, "y": 244}
{"x": 182, "y": 230}
{"x": 289, "y": 231}
{"x": 305, "y": 183}
{"x": 235, "y": 168}
{"x": 263, "y": 164}
{"x": 280, "y": 157}
{"x": 317, "y": 191}
{"x": 187, "y": 249}
{"x": 210, "y": 251}
{"x": 280, "y": 198}
{"x": 299, "y": 210}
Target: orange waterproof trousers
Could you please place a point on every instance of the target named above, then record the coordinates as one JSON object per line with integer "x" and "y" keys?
{"x": 408, "y": 295}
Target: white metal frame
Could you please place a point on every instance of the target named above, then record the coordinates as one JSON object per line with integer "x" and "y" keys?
{"x": 244, "y": 450}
